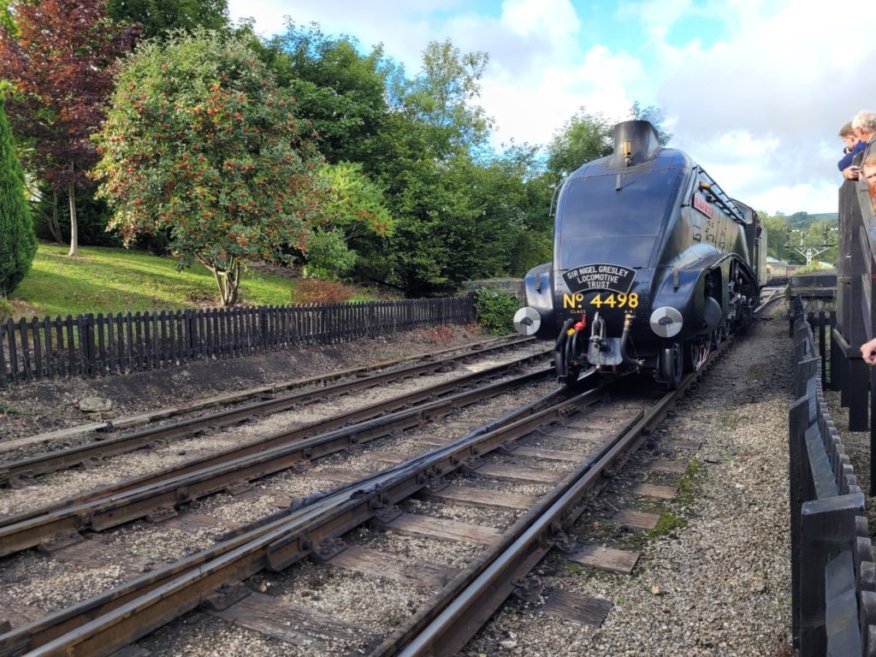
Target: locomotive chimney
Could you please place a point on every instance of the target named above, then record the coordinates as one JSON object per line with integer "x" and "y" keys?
{"x": 634, "y": 143}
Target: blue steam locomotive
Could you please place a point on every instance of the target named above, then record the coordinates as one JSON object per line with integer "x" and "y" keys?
{"x": 653, "y": 264}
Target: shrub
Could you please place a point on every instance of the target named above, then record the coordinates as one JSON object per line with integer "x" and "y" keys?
{"x": 496, "y": 310}
{"x": 311, "y": 290}
{"x": 328, "y": 255}
{"x": 17, "y": 237}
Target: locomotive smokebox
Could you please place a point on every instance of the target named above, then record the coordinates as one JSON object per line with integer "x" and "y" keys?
{"x": 634, "y": 142}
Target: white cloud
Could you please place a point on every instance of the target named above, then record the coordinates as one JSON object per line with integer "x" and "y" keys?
{"x": 753, "y": 90}
{"x": 555, "y": 20}
{"x": 787, "y": 75}
{"x": 533, "y": 107}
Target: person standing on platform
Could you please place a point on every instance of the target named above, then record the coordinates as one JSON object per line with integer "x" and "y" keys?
{"x": 853, "y": 146}
{"x": 864, "y": 125}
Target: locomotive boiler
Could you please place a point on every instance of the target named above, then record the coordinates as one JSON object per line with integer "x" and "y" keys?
{"x": 654, "y": 265}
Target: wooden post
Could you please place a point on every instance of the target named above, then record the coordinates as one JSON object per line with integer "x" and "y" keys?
{"x": 827, "y": 530}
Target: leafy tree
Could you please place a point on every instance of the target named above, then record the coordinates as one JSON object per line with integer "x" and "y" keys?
{"x": 354, "y": 210}
{"x": 532, "y": 242}
{"x": 443, "y": 96}
{"x": 496, "y": 310}
{"x": 777, "y": 235}
{"x": 341, "y": 92}
{"x": 60, "y": 63}
{"x": 159, "y": 17}
{"x": 328, "y": 256}
{"x": 17, "y": 239}
{"x": 430, "y": 171}
{"x": 92, "y": 216}
{"x": 583, "y": 138}
{"x": 200, "y": 140}
{"x": 458, "y": 219}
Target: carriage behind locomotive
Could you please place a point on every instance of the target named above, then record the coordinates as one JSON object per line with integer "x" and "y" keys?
{"x": 654, "y": 265}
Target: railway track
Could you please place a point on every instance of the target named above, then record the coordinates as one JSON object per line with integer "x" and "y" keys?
{"x": 234, "y": 409}
{"x": 103, "y": 428}
{"x": 526, "y": 474}
{"x": 161, "y": 494}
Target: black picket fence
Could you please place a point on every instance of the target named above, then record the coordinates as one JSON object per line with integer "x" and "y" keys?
{"x": 833, "y": 575}
{"x": 822, "y": 323}
{"x": 100, "y": 345}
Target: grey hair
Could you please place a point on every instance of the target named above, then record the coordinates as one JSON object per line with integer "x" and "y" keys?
{"x": 865, "y": 121}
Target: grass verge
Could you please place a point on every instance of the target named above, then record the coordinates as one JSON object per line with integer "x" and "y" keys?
{"x": 102, "y": 280}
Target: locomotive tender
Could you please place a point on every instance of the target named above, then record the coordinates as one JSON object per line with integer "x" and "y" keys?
{"x": 653, "y": 264}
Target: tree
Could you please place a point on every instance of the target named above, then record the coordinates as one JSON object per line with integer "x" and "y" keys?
{"x": 435, "y": 143}
{"x": 200, "y": 140}
{"x": 6, "y": 18}
{"x": 354, "y": 210}
{"x": 583, "y": 138}
{"x": 17, "y": 239}
{"x": 443, "y": 96}
{"x": 158, "y": 17}
{"x": 341, "y": 92}
{"x": 778, "y": 233}
{"x": 60, "y": 64}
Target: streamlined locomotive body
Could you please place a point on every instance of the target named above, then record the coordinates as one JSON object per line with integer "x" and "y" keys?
{"x": 653, "y": 264}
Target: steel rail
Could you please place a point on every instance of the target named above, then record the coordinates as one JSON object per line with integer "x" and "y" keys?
{"x": 472, "y": 597}
{"x": 118, "y": 617}
{"x": 101, "y": 511}
{"x": 227, "y": 399}
{"x": 279, "y": 438}
{"x": 49, "y": 462}
{"x": 778, "y": 293}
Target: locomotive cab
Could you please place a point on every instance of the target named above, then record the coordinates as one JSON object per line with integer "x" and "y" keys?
{"x": 652, "y": 264}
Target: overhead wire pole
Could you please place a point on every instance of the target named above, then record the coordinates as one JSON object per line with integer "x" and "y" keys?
{"x": 810, "y": 251}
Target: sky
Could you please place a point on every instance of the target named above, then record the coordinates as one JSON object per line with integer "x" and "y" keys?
{"x": 754, "y": 91}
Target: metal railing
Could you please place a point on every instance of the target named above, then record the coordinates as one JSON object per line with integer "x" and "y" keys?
{"x": 832, "y": 570}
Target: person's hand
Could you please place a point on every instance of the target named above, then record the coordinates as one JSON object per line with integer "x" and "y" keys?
{"x": 851, "y": 173}
{"x": 868, "y": 352}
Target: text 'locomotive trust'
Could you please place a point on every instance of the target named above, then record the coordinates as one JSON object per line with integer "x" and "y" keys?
{"x": 600, "y": 277}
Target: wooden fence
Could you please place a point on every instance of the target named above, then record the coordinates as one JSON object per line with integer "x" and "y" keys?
{"x": 833, "y": 574}
{"x": 118, "y": 343}
{"x": 856, "y": 312}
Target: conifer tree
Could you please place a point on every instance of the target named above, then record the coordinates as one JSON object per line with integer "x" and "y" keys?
{"x": 17, "y": 238}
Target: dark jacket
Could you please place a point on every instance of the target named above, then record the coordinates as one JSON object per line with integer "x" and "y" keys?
{"x": 848, "y": 157}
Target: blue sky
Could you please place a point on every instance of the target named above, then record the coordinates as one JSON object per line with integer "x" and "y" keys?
{"x": 754, "y": 90}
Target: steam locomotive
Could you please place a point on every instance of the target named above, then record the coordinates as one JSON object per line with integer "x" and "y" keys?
{"x": 654, "y": 265}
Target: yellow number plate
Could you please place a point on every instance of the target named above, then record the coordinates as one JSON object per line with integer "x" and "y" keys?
{"x": 616, "y": 300}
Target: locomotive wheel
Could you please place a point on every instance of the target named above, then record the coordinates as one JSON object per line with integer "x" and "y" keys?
{"x": 672, "y": 365}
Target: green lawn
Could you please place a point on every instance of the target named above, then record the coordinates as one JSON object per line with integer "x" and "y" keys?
{"x": 102, "y": 280}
